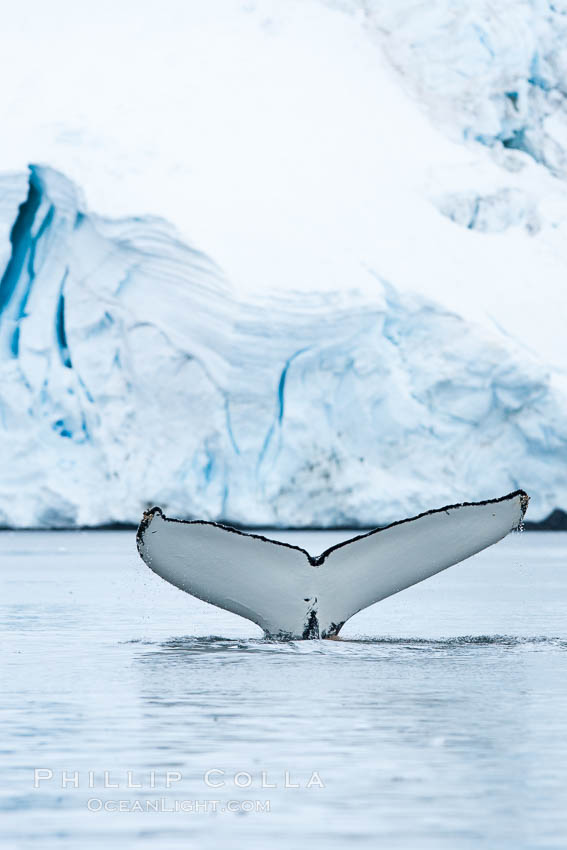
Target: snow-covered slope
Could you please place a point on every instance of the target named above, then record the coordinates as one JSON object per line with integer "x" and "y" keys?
{"x": 372, "y": 319}
{"x": 132, "y": 372}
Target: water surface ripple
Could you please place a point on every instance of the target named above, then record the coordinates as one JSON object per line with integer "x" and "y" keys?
{"x": 439, "y": 721}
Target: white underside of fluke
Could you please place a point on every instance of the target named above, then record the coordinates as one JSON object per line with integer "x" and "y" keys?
{"x": 291, "y": 594}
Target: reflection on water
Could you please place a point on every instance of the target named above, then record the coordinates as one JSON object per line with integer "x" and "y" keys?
{"x": 439, "y": 721}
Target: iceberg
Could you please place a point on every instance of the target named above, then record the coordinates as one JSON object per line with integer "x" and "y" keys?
{"x": 134, "y": 373}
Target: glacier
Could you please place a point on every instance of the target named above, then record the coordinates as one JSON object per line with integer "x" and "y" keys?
{"x": 302, "y": 142}
{"x": 134, "y": 373}
{"x": 495, "y": 73}
{"x": 319, "y": 283}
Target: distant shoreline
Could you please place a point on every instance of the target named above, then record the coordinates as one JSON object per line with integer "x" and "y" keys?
{"x": 556, "y": 521}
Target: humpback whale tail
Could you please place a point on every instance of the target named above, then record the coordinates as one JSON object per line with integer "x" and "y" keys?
{"x": 291, "y": 594}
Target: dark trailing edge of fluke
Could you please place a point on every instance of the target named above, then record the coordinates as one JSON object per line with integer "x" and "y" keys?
{"x": 316, "y": 561}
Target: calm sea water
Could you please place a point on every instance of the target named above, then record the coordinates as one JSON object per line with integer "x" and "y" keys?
{"x": 440, "y": 721}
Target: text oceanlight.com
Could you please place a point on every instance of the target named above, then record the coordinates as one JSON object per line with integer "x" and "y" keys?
{"x": 96, "y": 804}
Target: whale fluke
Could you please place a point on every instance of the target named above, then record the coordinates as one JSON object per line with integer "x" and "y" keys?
{"x": 291, "y": 594}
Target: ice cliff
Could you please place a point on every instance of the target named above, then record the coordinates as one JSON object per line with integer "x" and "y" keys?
{"x": 133, "y": 373}
{"x": 357, "y": 310}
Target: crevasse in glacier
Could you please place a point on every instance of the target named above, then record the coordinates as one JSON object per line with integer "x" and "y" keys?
{"x": 132, "y": 374}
